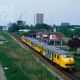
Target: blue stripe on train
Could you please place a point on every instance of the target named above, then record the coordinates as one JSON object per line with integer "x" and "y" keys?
{"x": 47, "y": 55}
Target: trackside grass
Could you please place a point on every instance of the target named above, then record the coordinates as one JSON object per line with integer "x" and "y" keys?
{"x": 77, "y": 61}
{"x": 21, "y": 63}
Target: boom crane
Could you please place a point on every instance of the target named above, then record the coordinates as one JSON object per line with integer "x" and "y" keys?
{"x": 20, "y": 22}
{"x": 20, "y": 17}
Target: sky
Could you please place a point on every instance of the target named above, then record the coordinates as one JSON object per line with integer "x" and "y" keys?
{"x": 55, "y": 11}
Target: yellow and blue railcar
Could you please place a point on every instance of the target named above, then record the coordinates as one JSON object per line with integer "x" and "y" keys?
{"x": 60, "y": 57}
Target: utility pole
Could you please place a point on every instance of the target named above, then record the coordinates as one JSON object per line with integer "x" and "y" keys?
{"x": 34, "y": 20}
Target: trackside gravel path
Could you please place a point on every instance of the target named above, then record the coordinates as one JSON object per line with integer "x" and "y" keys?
{"x": 2, "y": 76}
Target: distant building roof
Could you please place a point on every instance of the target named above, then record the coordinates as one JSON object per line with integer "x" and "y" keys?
{"x": 65, "y": 24}
{"x": 20, "y": 22}
{"x": 24, "y": 30}
{"x": 55, "y": 35}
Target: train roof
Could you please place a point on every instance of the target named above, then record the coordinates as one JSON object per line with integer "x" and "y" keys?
{"x": 52, "y": 48}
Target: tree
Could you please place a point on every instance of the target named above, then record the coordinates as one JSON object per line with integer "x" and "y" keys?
{"x": 77, "y": 31}
{"x": 42, "y": 27}
{"x": 65, "y": 30}
{"x": 13, "y": 28}
{"x": 74, "y": 43}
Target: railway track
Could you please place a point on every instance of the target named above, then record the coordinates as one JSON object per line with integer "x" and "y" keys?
{"x": 52, "y": 67}
{"x": 75, "y": 75}
{"x": 71, "y": 74}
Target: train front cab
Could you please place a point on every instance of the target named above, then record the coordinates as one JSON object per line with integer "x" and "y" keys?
{"x": 66, "y": 60}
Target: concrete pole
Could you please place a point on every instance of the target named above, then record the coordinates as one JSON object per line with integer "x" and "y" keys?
{"x": 61, "y": 42}
{"x": 54, "y": 42}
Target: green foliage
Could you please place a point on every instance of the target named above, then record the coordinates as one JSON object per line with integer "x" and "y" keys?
{"x": 77, "y": 61}
{"x": 16, "y": 27}
{"x": 42, "y": 27}
{"x": 22, "y": 33}
{"x": 74, "y": 44}
{"x": 13, "y": 72}
{"x": 66, "y": 31}
{"x": 77, "y": 31}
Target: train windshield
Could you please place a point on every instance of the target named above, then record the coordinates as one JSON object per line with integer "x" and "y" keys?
{"x": 67, "y": 55}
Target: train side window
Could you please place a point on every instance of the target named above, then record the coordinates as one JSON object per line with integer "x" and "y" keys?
{"x": 44, "y": 49}
{"x": 52, "y": 53}
{"x": 38, "y": 46}
{"x": 57, "y": 56}
{"x": 49, "y": 52}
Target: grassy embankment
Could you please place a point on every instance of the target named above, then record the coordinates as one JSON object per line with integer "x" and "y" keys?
{"x": 77, "y": 61}
{"x": 21, "y": 63}
{"x": 77, "y": 58}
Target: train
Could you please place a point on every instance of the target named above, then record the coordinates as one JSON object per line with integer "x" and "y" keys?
{"x": 62, "y": 58}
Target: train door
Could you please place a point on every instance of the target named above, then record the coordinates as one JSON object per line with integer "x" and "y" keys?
{"x": 51, "y": 57}
{"x": 43, "y": 51}
{"x": 57, "y": 58}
